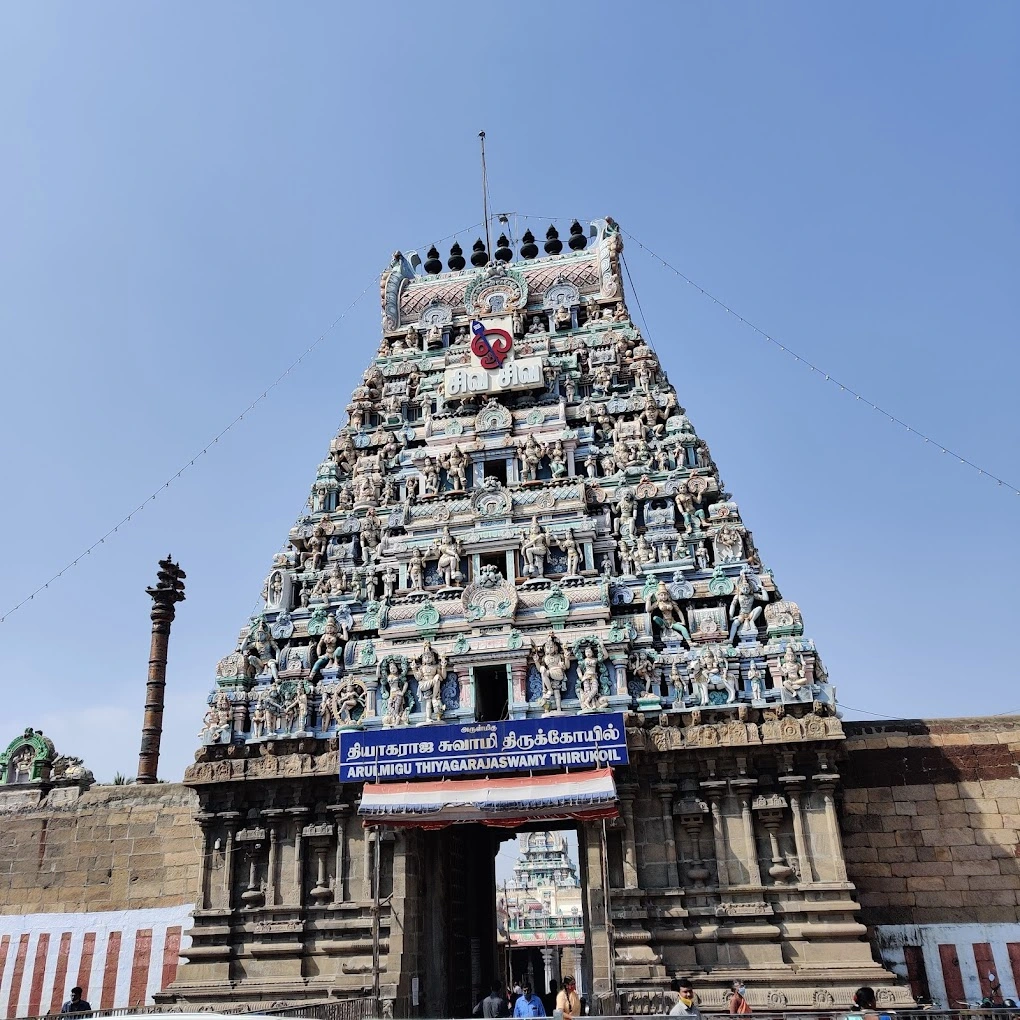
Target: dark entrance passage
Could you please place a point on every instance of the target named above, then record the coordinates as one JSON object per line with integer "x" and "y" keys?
{"x": 459, "y": 919}
{"x": 492, "y": 691}
{"x": 469, "y": 943}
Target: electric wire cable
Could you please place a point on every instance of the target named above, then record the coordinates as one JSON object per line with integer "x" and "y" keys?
{"x": 826, "y": 376}
{"x": 212, "y": 442}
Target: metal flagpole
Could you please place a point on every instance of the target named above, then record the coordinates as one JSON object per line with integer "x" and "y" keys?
{"x": 509, "y": 942}
{"x": 485, "y": 197}
{"x": 375, "y": 925}
{"x": 607, "y": 906}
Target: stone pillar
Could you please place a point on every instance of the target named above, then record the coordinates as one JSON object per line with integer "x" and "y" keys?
{"x": 168, "y": 592}
{"x": 547, "y": 969}
{"x": 598, "y": 950}
{"x": 339, "y": 812}
{"x": 371, "y": 692}
{"x": 205, "y": 821}
{"x": 231, "y": 818}
{"x": 793, "y": 788}
{"x": 273, "y": 868}
{"x": 691, "y": 815}
{"x": 743, "y": 789}
{"x": 366, "y": 879}
{"x": 619, "y": 660}
{"x": 298, "y": 814}
{"x": 665, "y": 792}
{"x": 630, "y": 871}
{"x": 827, "y": 783}
{"x": 519, "y": 672}
{"x": 713, "y": 792}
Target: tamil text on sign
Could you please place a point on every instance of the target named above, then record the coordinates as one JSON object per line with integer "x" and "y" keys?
{"x": 516, "y": 745}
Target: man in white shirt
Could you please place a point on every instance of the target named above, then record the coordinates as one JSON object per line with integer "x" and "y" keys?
{"x": 685, "y": 1004}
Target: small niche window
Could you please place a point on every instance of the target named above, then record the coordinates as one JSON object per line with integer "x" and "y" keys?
{"x": 492, "y": 693}
{"x": 497, "y": 560}
{"x": 496, "y": 469}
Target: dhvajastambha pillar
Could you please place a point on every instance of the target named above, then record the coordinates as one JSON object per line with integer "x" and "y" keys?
{"x": 168, "y": 592}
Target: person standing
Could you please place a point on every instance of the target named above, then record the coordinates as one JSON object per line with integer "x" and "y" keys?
{"x": 567, "y": 1002}
{"x": 528, "y": 1005}
{"x": 76, "y": 1004}
{"x": 549, "y": 1001}
{"x": 493, "y": 1005}
{"x": 737, "y": 1002}
{"x": 685, "y": 1004}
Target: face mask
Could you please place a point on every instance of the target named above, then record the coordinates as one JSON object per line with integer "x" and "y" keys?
{"x": 687, "y": 1001}
{"x": 741, "y": 989}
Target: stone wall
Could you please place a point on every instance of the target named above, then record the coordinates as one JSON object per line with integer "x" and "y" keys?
{"x": 931, "y": 825}
{"x": 95, "y": 890}
{"x": 113, "y": 848}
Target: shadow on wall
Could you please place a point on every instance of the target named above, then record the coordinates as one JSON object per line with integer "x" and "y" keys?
{"x": 930, "y": 817}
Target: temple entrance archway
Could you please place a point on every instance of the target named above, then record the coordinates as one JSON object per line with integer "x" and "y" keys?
{"x": 475, "y": 930}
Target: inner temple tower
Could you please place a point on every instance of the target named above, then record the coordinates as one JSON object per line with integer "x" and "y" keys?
{"x": 518, "y": 563}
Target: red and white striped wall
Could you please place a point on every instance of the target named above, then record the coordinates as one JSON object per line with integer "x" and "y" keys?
{"x": 951, "y": 963}
{"x": 119, "y": 957}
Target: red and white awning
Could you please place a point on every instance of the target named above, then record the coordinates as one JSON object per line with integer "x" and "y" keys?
{"x": 573, "y": 796}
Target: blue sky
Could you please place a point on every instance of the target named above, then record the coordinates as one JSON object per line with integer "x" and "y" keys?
{"x": 190, "y": 194}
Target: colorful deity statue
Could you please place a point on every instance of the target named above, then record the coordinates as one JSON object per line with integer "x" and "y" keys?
{"x": 710, "y": 672}
{"x": 429, "y": 670}
{"x": 261, "y": 651}
{"x": 330, "y": 647}
{"x": 530, "y": 455}
{"x": 552, "y": 660}
{"x": 450, "y": 552}
{"x": 589, "y": 681}
{"x": 534, "y": 550}
{"x": 666, "y": 611}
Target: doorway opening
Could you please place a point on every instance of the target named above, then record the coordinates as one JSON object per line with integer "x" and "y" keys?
{"x": 540, "y": 906}
{"x": 501, "y": 907}
{"x": 492, "y": 693}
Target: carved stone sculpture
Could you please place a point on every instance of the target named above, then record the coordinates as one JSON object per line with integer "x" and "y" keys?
{"x": 261, "y": 651}
{"x": 416, "y": 570}
{"x": 430, "y": 477}
{"x": 534, "y": 550}
{"x": 394, "y": 684}
{"x": 530, "y": 455}
{"x": 710, "y": 672}
{"x": 568, "y": 544}
{"x": 429, "y": 670}
{"x": 589, "y": 680}
{"x": 793, "y": 672}
{"x": 552, "y": 660}
{"x": 666, "y": 612}
{"x": 729, "y": 544}
{"x": 348, "y": 700}
{"x": 744, "y": 612}
{"x": 329, "y": 648}
{"x": 456, "y": 463}
{"x": 450, "y": 551}
{"x": 645, "y": 670}
{"x": 558, "y": 460}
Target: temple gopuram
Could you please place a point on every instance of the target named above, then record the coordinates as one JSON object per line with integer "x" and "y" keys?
{"x": 520, "y": 599}
{"x": 541, "y": 903}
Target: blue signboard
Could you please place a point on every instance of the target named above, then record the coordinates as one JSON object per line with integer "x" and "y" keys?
{"x": 514, "y": 745}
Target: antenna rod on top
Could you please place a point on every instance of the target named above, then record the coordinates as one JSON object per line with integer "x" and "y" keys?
{"x": 485, "y": 196}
